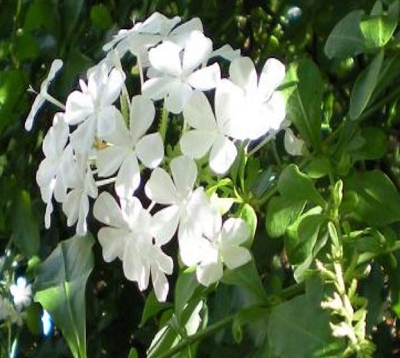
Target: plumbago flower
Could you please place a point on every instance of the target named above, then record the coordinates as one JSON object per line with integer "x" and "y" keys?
{"x": 174, "y": 72}
{"x": 53, "y": 170}
{"x": 155, "y": 29}
{"x": 188, "y": 209}
{"x": 92, "y": 108}
{"x": 222, "y": 246}
{"x": 129, "y": 237}
{"x": 209, "y": 132}
{"x": 93, "y": 143}
{"x": 258, "y": 106}
{"x": 125, "y": 146}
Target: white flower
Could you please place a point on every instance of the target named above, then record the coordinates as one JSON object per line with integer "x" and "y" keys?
{"x": 293, "y": 145}
{"x": 209, "y": 133}
{"x": 129, "y": 237}
{"x": 52, "y": 173}
{"x": 43, "y": 95}
{"x": 174, "y": 74}
{"x": 83, "y": 186}
{"x": 22, "y": 293}
{"x": 187, "y": 209}
{"x": 260, "y": 107}
{"x": 127, "y": 146}
{"x": 223, "y": 247}
{"x": 155, "y": 29}
{"x": 93, "y": 108}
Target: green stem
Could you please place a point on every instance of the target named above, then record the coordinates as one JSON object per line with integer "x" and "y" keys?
{"x": 162, "y": 129}
{"x": 368, "y": 256}
{"x": 198, "y": 336}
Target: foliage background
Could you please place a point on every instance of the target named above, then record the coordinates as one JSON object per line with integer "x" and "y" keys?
{"x": 34, "y": 32}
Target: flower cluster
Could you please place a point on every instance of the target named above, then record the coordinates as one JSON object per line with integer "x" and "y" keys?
{"x": 105, "y": 135}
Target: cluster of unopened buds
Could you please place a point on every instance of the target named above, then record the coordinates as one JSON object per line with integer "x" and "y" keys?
{"x": 96, "y": 140}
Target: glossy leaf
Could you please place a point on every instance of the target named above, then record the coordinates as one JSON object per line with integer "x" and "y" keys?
{"x": 377, "y": 30}
{"x": 60, "y": 288}
{"x": 378, "y": 199}
{"x": 296, "y": 186}
{"x": 304, "y": 101}
{"x": 299, "y": 328}
{"x": 25, "y": 227}
{"x": 364, "y": 86}
{"x": 281, "y": 213}
{"x": 346, "y": 39}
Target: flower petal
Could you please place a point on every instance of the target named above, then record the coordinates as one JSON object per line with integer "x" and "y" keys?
{"x": 78, "y": 107}
{"x": 110, "y": 159}
{"x": 165, "y": 58}
{"x": 156, "y": 88}
{"x": 271, "y": 77}
{"x": 128, "y": 178}
{"x": 160, "y": 188}
{"x": 196, "y": 143}
{"x": 235, "y": 256}
{"x": 164, "y": 224}
{"x": 112, "y": 242}
{"x": 178, "y": 95}
{"x": 197, "y": 50}
{"x": 184, "y": 173}
{"x": 106, "y": 210}
{"x": 142, "y": 113}
{"x": 199, "y": 119}
{"x": 235, "y": 231}
{"x": 209, "y": 273}
{"x": 112, "y": 88}
{"x": 150, "y": 150}
{"x": 222, "y": 155}
{"x": 205, "y": 78}
{"x": 243, "y": 73}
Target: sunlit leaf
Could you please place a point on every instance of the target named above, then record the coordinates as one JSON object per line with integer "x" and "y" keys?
{"x": 60, "y": 288}
{"x": 364, "y": 86}
{"x": 346, "y": 39}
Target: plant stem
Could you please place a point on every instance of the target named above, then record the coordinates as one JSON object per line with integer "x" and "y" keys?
{"x": 197, "y": 337}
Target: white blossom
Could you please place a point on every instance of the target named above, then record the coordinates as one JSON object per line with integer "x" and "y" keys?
{"x": 129, "y": 237}
{"x": 187, "y": 209}
{"x": 92, "y": 108}
{"x": 83, "y": 186}
{"x": 43, "y": 95}
{"x": 258, "y": 107}
{"x": 126, "y": 146}
{"x": 293, "y": 145}
{"x": 152, "y": 31}
{"x": 209, "y": 132}
{"x": 223, "y": 247}
{"x": 174, "y": 72}
{"x": 53, "y": 171}
{"x": 22, "y": 293}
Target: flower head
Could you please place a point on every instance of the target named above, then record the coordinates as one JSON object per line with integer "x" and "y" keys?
{"x": 129, "y": 237}
{"x": 174, "y": 72}
{"x": 92, "y": 108}
{"x": 22, "y": 293}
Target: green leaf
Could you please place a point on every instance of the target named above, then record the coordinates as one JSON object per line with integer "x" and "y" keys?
{"x": 297, "y": 186}
{"x": 185, "y": 287}
{"x": 299, "y": 328}
{"x": 133, "y": 353}
{"x": 378, "y": 199}
{"x": 60, "y": 288}
{"x": 100, "y": 17}
{"x": 248, "y": 214}
{"x": 151, "y": 307}
{"x": 375, "y": 144}
{"x": 346, "y": 39}
{"x": 377, "y": 30}
{"x": 300, "y": 242}
{"x": 248, "y": 279}
{"x": 281, "y": 213}
{"x": 364, "y": 86}
{"x": 25, "y": 227}
{"x": 305, "y": 99}
{"x": 33, "y": 319}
